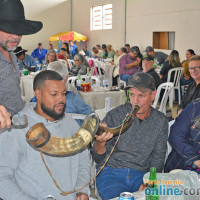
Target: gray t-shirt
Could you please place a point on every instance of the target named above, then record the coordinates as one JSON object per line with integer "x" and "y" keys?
{"x": 142, "y": 146}
{"x": 10, "y": 93}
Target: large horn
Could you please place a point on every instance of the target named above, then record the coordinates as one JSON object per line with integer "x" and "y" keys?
{"x": 40, "y": 138}
{"x": 126, "y": 123}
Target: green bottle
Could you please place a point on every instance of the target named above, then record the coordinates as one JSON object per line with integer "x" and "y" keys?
{"x": 153, "y": 185}
{"x": 78, "y": 83}
{"x": 127, "y": 97}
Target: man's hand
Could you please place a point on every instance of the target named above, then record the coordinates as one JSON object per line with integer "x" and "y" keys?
{"x": 82, "y": 196}
{"x": 105, "y": 136}
{"x": 5, "y": 121}
{"x": 138, "y": 60}
{"x": 36, "y": 58}
{"x": 143, "y": 187}
{"x": 179, "y": 112}
{"x": 197, "y": 163}
{"x": 100, "y": 143}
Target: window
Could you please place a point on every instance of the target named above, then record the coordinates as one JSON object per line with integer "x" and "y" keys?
{"x": 101, "y": 17}
{"x": 164, "y": 40}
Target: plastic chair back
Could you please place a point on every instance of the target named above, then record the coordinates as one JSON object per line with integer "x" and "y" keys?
{"x": 178, "y": 71}
{"x": 168, "y": 87}
{"x": 70, "y": 62}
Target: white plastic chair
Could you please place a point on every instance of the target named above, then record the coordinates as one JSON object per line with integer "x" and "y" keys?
{"x": 168, "y": 86}
{"x": 70, "y": 62}
{"x": 72, "y": 80}
{"x": 178, "y": 71}
{"x": 98, "y": 66}
{"x": 121, "y": 82}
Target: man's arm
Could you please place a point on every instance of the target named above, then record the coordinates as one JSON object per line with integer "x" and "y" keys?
{"x": 5, "y": 121}
{"x": 99, "y": 147}
{"x": 10, "y": 154}
{"x": 179, "y": 134}
{"x": 159, "y": 153}
{"x": 134, "y": 64}
{"x": 33, "y": 54}
{"x": 81, "y": 106}
{"x": 33, "y": 63}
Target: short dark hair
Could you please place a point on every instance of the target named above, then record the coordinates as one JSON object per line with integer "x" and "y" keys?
{"x": 127, "y": 45}
{"x": 63, "y": 49}
{"x": 132, "y": 49}
{"x": 94, "y": 48}
{"x": 103, "y": 46}
{"x": 39, "y": 44}
{"x": 45, "y": 75}
{"x": 123, "y": 49}
{"x": 98, "y": 45}
{"x": 70, "y": 40}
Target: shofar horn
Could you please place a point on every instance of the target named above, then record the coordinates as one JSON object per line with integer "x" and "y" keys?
{"x": 41, "y": 139}
{"x": 126, "y": 125}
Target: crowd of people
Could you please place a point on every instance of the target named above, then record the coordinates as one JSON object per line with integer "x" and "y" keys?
{"x": 24, "y": 172}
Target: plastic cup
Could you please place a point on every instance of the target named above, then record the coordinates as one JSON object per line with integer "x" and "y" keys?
{"x": 26, "y": 73}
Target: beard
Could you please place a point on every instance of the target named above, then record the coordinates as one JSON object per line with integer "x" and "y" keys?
{"x": 52, "y": 113}
{"x": 6, "y": 47}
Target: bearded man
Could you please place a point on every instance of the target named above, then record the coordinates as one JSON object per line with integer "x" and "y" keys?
{"x": 23, "y": 174}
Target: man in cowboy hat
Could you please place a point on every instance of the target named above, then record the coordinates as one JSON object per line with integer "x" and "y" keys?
{"x": 24, "y": 60}
{"x": 12, "y": 26}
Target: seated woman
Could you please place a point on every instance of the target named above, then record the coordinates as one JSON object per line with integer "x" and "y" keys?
{"x": 63, "y": 54}
{"x": 81, "y": 66}
{"x": 50, "y": 57}
{"x": 187, "y": 79}
{"x": 172, "y": 62}
{"x": 193, "y": 90}
{"x": 111, "y": 52}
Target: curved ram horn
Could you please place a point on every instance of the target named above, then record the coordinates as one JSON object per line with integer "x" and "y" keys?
{"x": 41, "y": 139}
{"x": 127, "y": 123}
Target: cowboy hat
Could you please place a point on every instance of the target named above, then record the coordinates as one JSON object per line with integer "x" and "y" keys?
{"x": 19, "y": 51}
{"x": 12, "y": 19}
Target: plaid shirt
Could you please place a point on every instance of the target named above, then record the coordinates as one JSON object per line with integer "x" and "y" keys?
{"x": 126, "y": 59}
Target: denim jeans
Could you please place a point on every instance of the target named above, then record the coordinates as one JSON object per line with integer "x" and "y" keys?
{"x": 111, "y": 182}
{"x": 125, "y": 77}
{"x": 40, "y": 61}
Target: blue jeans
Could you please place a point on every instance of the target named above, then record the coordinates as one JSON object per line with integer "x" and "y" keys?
{"x": 111, "y": 182}
{"x": 125, "y": 77}
{"x": 40, "y": 61}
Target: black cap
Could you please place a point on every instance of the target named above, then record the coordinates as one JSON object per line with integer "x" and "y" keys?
{"x": 149, "y": 49}
{"x": 148, "y": 57}
{"x": 142, "y": 81}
